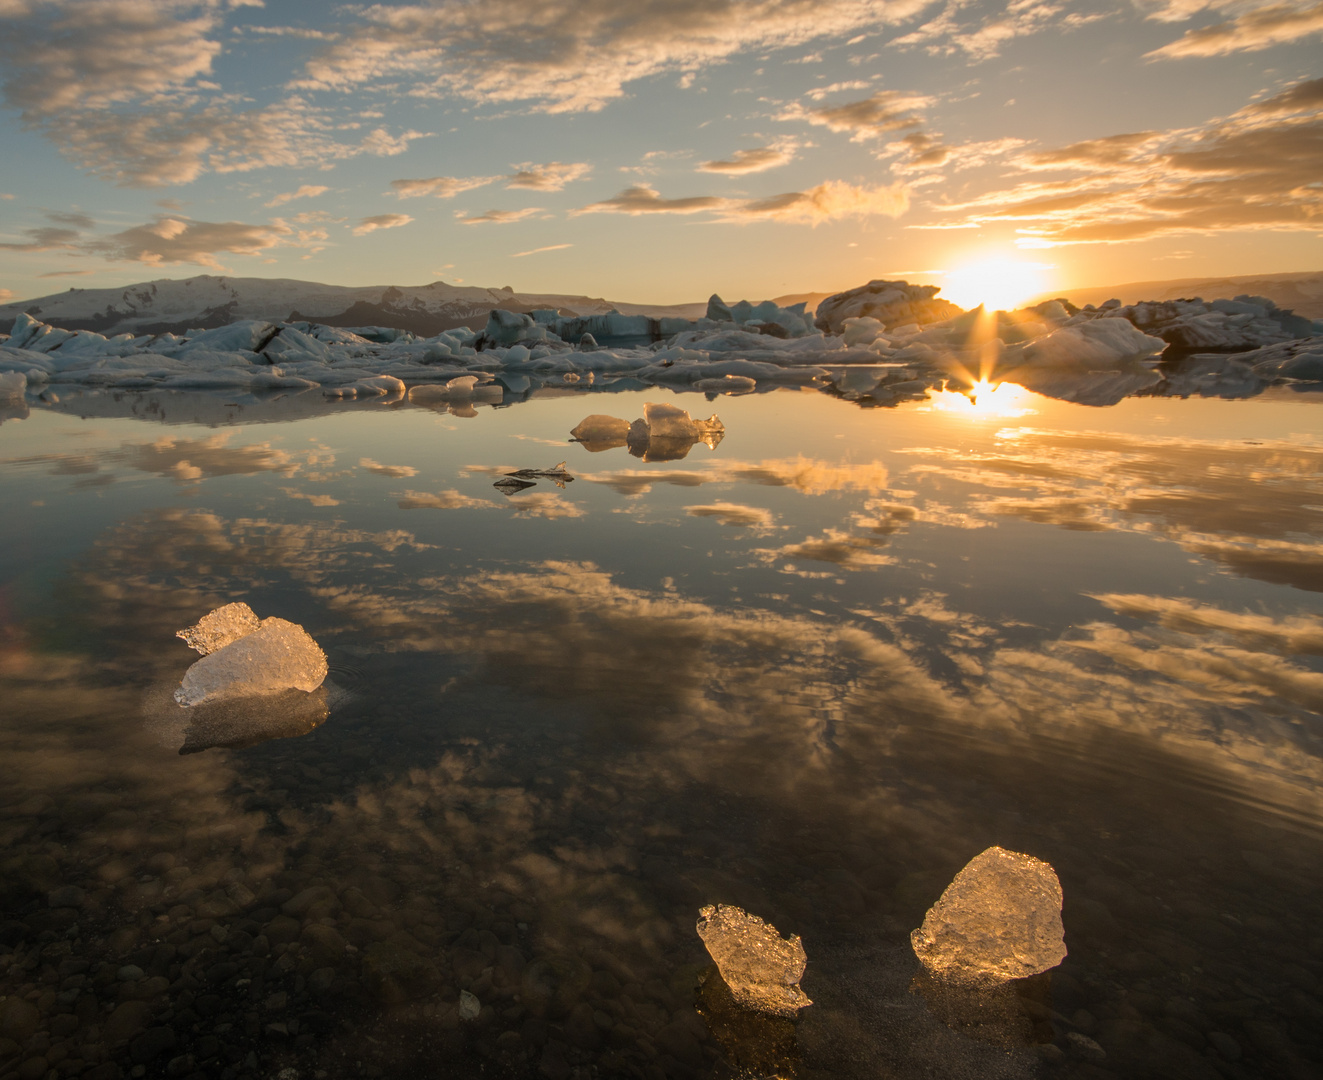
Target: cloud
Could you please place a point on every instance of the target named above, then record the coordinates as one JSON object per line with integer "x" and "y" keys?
{"x": 126, "y": 89}
{"x": 734, "y": 514}
{"x": 44, "y": 238}
{"x": 7, "y": 294}
{"x": 1303, "y": 97}
{"x": 758, "y": 159}
{"x": 643, "y": 199}
{"x": 305, "y": 191}
{"x": 539, "y": 251}
{"x": 395, "y": 471}
{"x": 1256, "y": 169}
{"x": 832, "y": 200}
{"x": 381, "y": 143}
{"x": 498, "y": 217}
{"x": 946, "y": 35}
{"x": 552, "y": 176}
{"x": 66, "y": 273}
{"x": 440, "y": 187}
{"x": 380, "y": 221}
{"x": 882, "y": 113}
{"x": 170, "y": 240}
{"x": 1258, "y": 29}
{"x": 587, "y": 51}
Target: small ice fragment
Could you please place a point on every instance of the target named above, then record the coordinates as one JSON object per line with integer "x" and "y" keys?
{"x": 726, "y": 384}
{"x": 601, "y": 432}
{"x": 218, "y": 628}
{"x": 761, "y": 967}
{"x": 999, "y": 919}
{"x": 669, "y": 422}
{"x": 557, "y": 474}
{"x": 278, "y": 656}
{"x": 461, "y": 386}
{"x": 508, "y": 485}
{"x": 469, "y": 1006}
{"x": 12, "y": 384}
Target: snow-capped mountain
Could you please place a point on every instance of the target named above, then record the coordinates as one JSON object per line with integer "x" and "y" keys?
{"x": 1298, "y": 292}
{"x": 207, "y": 301}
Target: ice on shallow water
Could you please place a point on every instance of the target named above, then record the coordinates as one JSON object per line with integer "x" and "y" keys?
{"x": 218, "y": 628}
{"x": 999, "y": 919}
{"x": 761, "y": 967}
{"x": 278, "y": 656}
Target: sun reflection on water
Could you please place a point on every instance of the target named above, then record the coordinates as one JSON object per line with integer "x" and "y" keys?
{"x": 984, "y": 400}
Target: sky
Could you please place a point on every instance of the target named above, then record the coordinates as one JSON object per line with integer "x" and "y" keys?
{"x": 661, "y": 150}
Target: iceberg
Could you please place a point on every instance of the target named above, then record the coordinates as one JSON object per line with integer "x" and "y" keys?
{"x": 892, "y": 303}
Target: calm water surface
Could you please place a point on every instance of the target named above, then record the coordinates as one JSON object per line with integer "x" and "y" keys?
{"x": 811, "y": 671}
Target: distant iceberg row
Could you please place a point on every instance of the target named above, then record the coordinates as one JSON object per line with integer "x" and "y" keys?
{"x": 883, "y": 341}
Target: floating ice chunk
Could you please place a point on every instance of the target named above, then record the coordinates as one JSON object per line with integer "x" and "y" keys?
{"x": 278, "y": 656}
{"x": 726, "y": 384}
{"x": 557, "y": 474}
{"x": 761, "y": 967}
{"x": 999, "y": 919}
{"x": 378, "y": 385}
{"x": 218, "y": 628}
{"x": 13, "y": 384}
{"x": 669, "y": 422}
{"x": 601, "y": 432}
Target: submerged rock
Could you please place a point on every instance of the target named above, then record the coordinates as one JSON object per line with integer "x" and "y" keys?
{"x": 278, "y": 656}
{"x": 999, "y": 919}
{"x": 761, "y": 967}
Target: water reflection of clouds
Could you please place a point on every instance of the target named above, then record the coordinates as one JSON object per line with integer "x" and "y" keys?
{"x": 808, "y": 475}
{"x": 735, "y": 515}
{"x": 1253, "y": 507}
{"x": 580, "y": 699}
{"x": 450, "y": 499}
{"x": 179, "y": 459}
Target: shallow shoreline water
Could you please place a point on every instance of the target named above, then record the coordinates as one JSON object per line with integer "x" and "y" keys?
{"x": 811, "y": 671}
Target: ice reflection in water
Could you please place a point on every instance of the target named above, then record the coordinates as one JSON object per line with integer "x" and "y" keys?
{"x": 551, "y": 765}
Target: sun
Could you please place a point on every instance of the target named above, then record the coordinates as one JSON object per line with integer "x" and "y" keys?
{"x": 997, "y": 284}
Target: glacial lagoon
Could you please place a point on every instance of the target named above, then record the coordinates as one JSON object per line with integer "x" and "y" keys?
{"x": 811, "y": 668}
